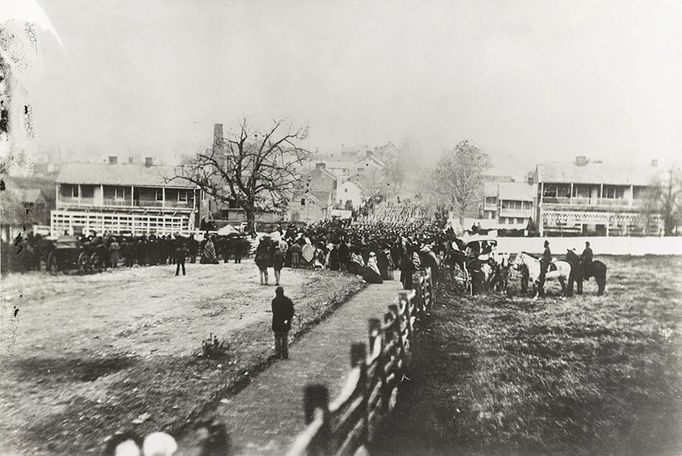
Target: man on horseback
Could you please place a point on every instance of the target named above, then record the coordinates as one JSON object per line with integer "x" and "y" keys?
{"x": 545, "y": 261}
{"x": 586, "y": 257}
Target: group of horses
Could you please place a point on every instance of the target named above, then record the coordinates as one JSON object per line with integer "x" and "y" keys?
{"x": 491, "y": 271}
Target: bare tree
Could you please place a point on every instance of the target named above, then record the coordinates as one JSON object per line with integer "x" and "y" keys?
{"x": 665, "y": 198}
{"x": 457, "y": 178}
{"x": 252, "y": 169}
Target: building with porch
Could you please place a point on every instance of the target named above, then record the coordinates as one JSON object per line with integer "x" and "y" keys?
{"x": 127, "y": 198}
{"x": 594, "y": 198}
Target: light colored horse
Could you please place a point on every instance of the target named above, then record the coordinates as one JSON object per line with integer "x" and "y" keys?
{"x": 562, "y": 271}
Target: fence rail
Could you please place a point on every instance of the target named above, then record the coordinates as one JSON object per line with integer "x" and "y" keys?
{"x": 350, "y": 421}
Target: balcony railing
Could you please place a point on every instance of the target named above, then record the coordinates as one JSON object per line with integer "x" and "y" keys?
{"x": 593, "y": 202}
{"x": 509, "y": 212}
{"x": 122, "y": 203}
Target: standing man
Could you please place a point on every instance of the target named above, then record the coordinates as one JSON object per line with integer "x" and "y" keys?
{"x": 180, "y": 254}
{"x": 544, "y": 265}
{"x": 114, "y": 248}
{"x": 282, "y": 313}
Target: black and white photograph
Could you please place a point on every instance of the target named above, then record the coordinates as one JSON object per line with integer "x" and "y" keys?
{"x": 340, "y": 228}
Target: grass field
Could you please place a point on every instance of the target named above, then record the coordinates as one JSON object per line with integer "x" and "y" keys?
{"x": 578, "y": 376}
{"x": 92, "y": 354}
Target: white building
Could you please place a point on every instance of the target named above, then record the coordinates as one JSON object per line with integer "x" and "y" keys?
{"x": 128, "y": 198}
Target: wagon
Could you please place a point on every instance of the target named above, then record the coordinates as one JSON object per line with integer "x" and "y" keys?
{"x": 68, "y": 254}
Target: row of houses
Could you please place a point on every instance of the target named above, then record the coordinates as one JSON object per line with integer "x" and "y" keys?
{"x": 577, "y": 198}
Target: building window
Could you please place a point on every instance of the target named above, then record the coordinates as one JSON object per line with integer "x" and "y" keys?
{"x": 119, "y": 193}
{"x": 302, "y": 201}
{"x": 528, "y": 205}
{"x": 74, "y": 191}
{"x": 519, "y": 221}
{"x": 550, "y": 190}
{"x": 503, "y": 221}
{"x": 581, "y": 191}
{"x": 182, "y": 197}
{"x": 509, "y": 204}
{"x": 613, "y": 192}
{"x": 159, "y": 194}
{"x": 491, "y": 200}
{"x": 345, "y": 190}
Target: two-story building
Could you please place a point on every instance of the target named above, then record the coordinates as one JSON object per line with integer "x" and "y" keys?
{"x": 594, "y": 198}
{"x": 511, "y": 204}
{"x": 128, "y": 198}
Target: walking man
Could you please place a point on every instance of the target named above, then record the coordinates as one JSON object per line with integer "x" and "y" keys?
{"x": 282, "y": 313}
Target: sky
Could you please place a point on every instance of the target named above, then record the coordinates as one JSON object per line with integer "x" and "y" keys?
{"x": 525, "y": 80}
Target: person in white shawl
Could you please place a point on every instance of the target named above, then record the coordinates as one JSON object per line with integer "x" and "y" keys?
{"x": 372, "y": 274}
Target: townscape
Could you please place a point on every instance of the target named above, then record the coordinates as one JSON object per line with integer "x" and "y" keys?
{"x": 249, "y": 285}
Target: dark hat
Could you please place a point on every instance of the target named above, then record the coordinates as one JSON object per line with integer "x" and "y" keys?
{"x": 546, "y": 242}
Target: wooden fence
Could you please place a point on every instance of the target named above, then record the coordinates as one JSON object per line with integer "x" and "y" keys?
{"x": 350, "y": 421}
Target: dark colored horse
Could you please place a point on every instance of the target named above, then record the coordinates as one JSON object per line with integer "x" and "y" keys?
{"x": 579, "y": 273}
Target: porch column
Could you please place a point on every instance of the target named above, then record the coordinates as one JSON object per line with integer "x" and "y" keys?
{"x": 601, "y": 193}
{"x": 632, "y": 195}
{"x": 570, "y": 195}
{"x": 101, "y": 194}
{"x": 132, "y": 197}
{"x": 163, "y": 196}
{"x": 80, "y": 193}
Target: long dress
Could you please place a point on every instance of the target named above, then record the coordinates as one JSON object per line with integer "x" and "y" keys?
{"x": 371, "y": 273}
{"x": 208, "y": 256}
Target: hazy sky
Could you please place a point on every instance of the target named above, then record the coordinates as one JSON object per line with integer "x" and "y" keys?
{"x": 527, "y": 81}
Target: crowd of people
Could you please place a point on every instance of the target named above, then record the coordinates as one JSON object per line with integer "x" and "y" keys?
{"x": 373, "y": 250}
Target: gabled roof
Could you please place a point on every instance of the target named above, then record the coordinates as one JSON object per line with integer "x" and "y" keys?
{"x": 517, "y": 191}
{"x": 321, "y": 195}
{"x": 597, "y": 173}
{"x": 372, "y": 158}
{"x": 123, "y": 175}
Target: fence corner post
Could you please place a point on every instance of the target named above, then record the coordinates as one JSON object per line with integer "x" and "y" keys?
{"x": 358, "y": 358}
{"x": 317, "y": 397}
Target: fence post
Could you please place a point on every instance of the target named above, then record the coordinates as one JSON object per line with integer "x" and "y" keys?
{"x": 317, "y": 397}
{"x": 387, "y": 338}
{"x": 404, "y": 300}
{"x": 398, "y": 331}
{"x": 374, "y": 333}
{"x": 358, "y": 358}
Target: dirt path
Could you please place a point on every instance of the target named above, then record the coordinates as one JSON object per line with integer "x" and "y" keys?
{"x": 87, "y": 355}
{"x": 265, "y": 417}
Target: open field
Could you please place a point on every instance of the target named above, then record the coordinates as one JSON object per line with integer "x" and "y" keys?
{"x": 579, "y": 376}
{"x": 91, "y": 354}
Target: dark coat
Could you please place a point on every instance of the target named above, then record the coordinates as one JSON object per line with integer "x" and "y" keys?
{"x": 282, "y": 313}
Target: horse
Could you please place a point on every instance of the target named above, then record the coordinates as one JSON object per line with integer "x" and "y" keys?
{"x": 596, "y": 269}
{"x": 562, "y": 271}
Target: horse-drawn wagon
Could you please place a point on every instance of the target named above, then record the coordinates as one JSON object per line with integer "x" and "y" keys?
{"x": 70, "y": 253}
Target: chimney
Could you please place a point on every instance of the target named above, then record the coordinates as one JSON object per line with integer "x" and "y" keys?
{"x": 320, "y": 165}
{"x": 217, "y": 136}
{"x": 531, "y": 178}
{"x": 148, "y": 161}
{"x": 581, "y": 160}
{"x": 654, "y": 162}
{"x": 368, "y": 154}
{"x": 113, "y": 160}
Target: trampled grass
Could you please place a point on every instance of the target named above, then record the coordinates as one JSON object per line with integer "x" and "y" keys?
{"x": 577, "y": 376}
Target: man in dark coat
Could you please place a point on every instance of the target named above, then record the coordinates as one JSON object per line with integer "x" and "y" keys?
{"x": 180, "y": 254}
{"x": 282, "y": 313}
{"x": 544, "y": 265}
{"x": 586, "y": 257}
